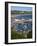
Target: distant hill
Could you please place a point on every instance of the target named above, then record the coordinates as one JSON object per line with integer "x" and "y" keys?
{"x": 21, "y": 12}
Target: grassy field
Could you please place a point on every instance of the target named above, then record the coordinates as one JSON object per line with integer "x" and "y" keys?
{"x": 17, "y": 35}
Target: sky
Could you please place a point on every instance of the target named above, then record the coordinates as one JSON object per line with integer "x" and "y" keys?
{"x": 21, "y": 8}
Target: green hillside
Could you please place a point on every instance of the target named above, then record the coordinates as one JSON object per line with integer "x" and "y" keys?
{"x": 21, "y": 12}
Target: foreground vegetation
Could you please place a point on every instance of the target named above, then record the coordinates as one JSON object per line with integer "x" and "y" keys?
{"x": 17, "y": 35}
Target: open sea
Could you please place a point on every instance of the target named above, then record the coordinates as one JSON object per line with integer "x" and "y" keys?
{"x": 24, "y": 16}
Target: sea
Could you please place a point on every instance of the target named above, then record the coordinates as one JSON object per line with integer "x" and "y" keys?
{"x": 25, "y": 26}
{"x": 24, "y": 16}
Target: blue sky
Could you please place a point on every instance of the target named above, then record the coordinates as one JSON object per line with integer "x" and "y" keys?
{"x": 21, "y": 8}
